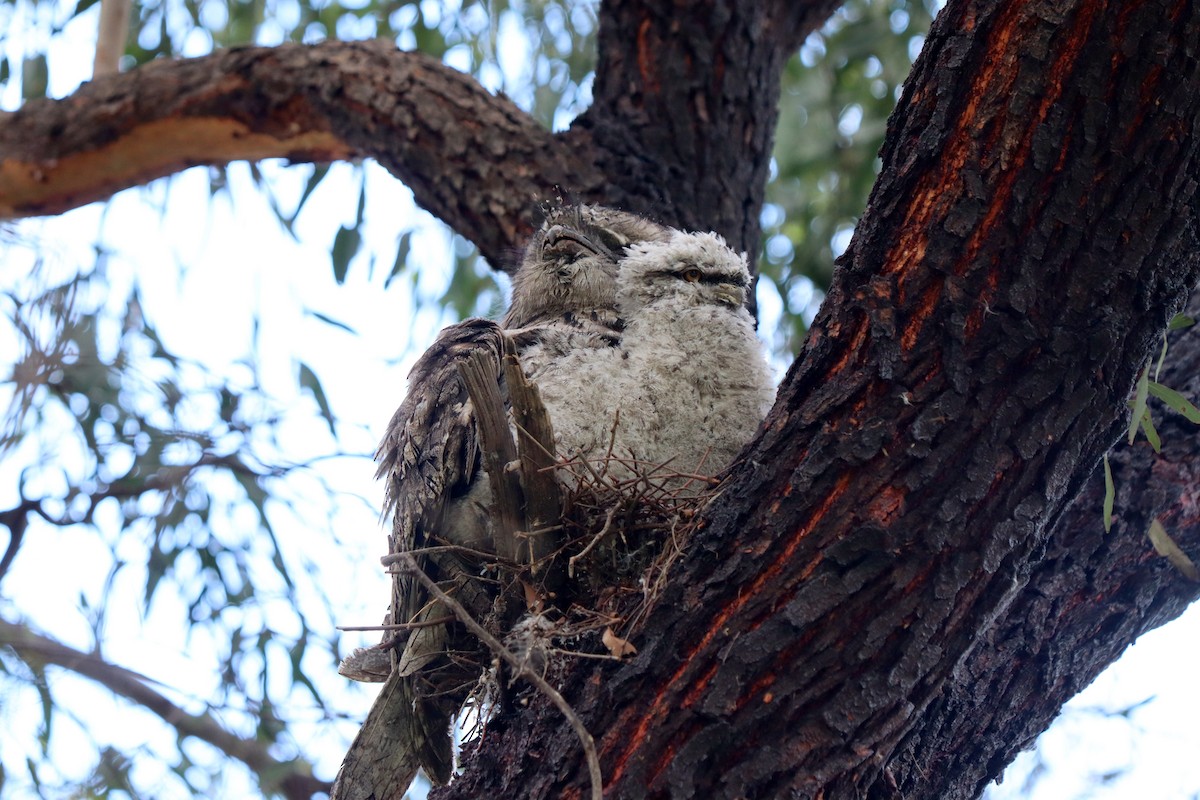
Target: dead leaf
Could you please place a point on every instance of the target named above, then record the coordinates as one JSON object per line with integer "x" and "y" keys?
{"x": 533, "y": 600}
{"x": 616, "y": 645}
{"x": 1165, "y": 546}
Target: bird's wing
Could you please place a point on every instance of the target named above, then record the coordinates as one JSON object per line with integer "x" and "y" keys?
{"x": 429, "y": 455}
{"x": 430, "y": 452}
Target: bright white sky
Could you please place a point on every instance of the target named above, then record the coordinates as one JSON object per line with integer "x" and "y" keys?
{"x": 205, "y": 270}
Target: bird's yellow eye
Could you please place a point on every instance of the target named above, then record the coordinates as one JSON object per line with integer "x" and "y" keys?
{"x": 692, "y": 274}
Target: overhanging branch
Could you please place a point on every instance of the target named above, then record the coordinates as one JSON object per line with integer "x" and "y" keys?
{"x": 472, "y": 158}
{"x": 292, "y": 779}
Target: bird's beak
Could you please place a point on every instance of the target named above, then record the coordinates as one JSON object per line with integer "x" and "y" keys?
{"x": 730, "y": 294}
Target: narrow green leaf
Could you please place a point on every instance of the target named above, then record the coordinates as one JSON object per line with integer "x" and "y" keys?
{"x": 403, "y": 247}
{"x": 1179, "y": 322}
{"x": 1139, "y": 402}
{"x": 1165, "y": 546}
{"x": 83, "y": 6}
{"x": 1110, "y": 495}
{"x": 48, "y": 707}
{"x": 1175, "y": 400}
{"x": 229, "y": 404}
{"x": 319, "y": 172}
{"x": 362, "y": 201}
{"x": 345, "y": 246}
{"x": 35, "y": 76}
{"x": 1162, "y": 356}
{"x": 309, "y": 381}
{"x": 331, "y": 321}
{"x": 1151, "y": 432}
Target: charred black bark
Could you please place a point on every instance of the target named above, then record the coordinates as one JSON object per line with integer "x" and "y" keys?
{"x": 686, "y": 105}
{"x": 889, "y": 532}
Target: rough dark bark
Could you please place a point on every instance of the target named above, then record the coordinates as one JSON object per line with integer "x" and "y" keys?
{"x": 887, "y": 538}
{"x": 1088, "y": 597}
{"x": 685, "y": 107}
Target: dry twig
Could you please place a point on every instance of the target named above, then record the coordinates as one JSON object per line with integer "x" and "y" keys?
{"x": 519, "y": 666}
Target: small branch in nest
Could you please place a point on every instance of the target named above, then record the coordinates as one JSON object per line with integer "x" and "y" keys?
{"x": 612, "y": 512}
{"x": 393, "y": 558}
{"x": 397, "y": 626}
{"x": 519, "y": 666}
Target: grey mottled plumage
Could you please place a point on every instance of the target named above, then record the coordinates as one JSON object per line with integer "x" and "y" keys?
{"x": 694, "y": 366}
{"x": 564, "y": 298}
{"x": 688, "y": 385}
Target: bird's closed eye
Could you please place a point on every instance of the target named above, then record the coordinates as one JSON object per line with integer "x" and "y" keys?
{"x": 692, "y": 275}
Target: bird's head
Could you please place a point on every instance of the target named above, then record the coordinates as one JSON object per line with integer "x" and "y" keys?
{"x": 570, "y": 264}
{"x": 687, "y": 270}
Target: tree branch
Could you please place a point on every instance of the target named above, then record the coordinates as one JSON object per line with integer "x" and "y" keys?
{"x": 1052, "y": 641}
{"x": 676, "y": 85}
{"x": 474, "y": 159}
{"x": 292, "y": 778}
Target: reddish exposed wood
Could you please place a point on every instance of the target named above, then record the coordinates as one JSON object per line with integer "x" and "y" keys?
{"x": 152, "y": 150}
{"x": 969, "y": 367}
{"x": 472, "y": 158}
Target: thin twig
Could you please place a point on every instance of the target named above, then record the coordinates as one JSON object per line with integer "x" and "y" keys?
{"x": 397, "y": 626}
{"x": 519, "y": 666}
{"x": 612, "y": 512}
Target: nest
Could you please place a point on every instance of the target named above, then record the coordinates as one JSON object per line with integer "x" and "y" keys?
{"x": 623, "y": 523}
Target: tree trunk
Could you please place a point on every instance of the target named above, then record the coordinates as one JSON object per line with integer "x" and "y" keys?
{"x": 875, "y": 606}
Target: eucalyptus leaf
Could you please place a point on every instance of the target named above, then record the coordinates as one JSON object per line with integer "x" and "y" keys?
{"x": 1151, "y": 432}
{"x": 346, "y": 244}
{"x": 1175, "y": 401}
{"x": 1179, "y": 322}
{"x": 1139, "y": 402}
{"x": 309, "y": 381}
{"x": 328, "y": 320}
{"x": 1110, "y": 494}
{"x": 1165, "y": 546}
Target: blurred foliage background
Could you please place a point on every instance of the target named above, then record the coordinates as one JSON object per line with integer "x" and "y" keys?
{"x": 207, "y": 517}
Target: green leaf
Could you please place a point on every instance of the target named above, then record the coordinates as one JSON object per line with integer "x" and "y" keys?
{"x": 403, "y": 247}
{"x": 1165, "y": 546}
{"x": 331, "y": 321}
{"x": 1175, "y": 400}
{"x": 1110, "y": 494}
{"x": 309, "y": 381}
{"x": 1179, "y": 322}
{"x": 83, "y": 6}
{"x": 1139, "y": 402}
{"x": 1162, "y": 356}
{"x": 1151, "y": 432}
{"x": 362, "y": 202}
{"x": 35, "y": 76}
{"x": 319, "y": 172}
{"x": 345, "y": 246}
